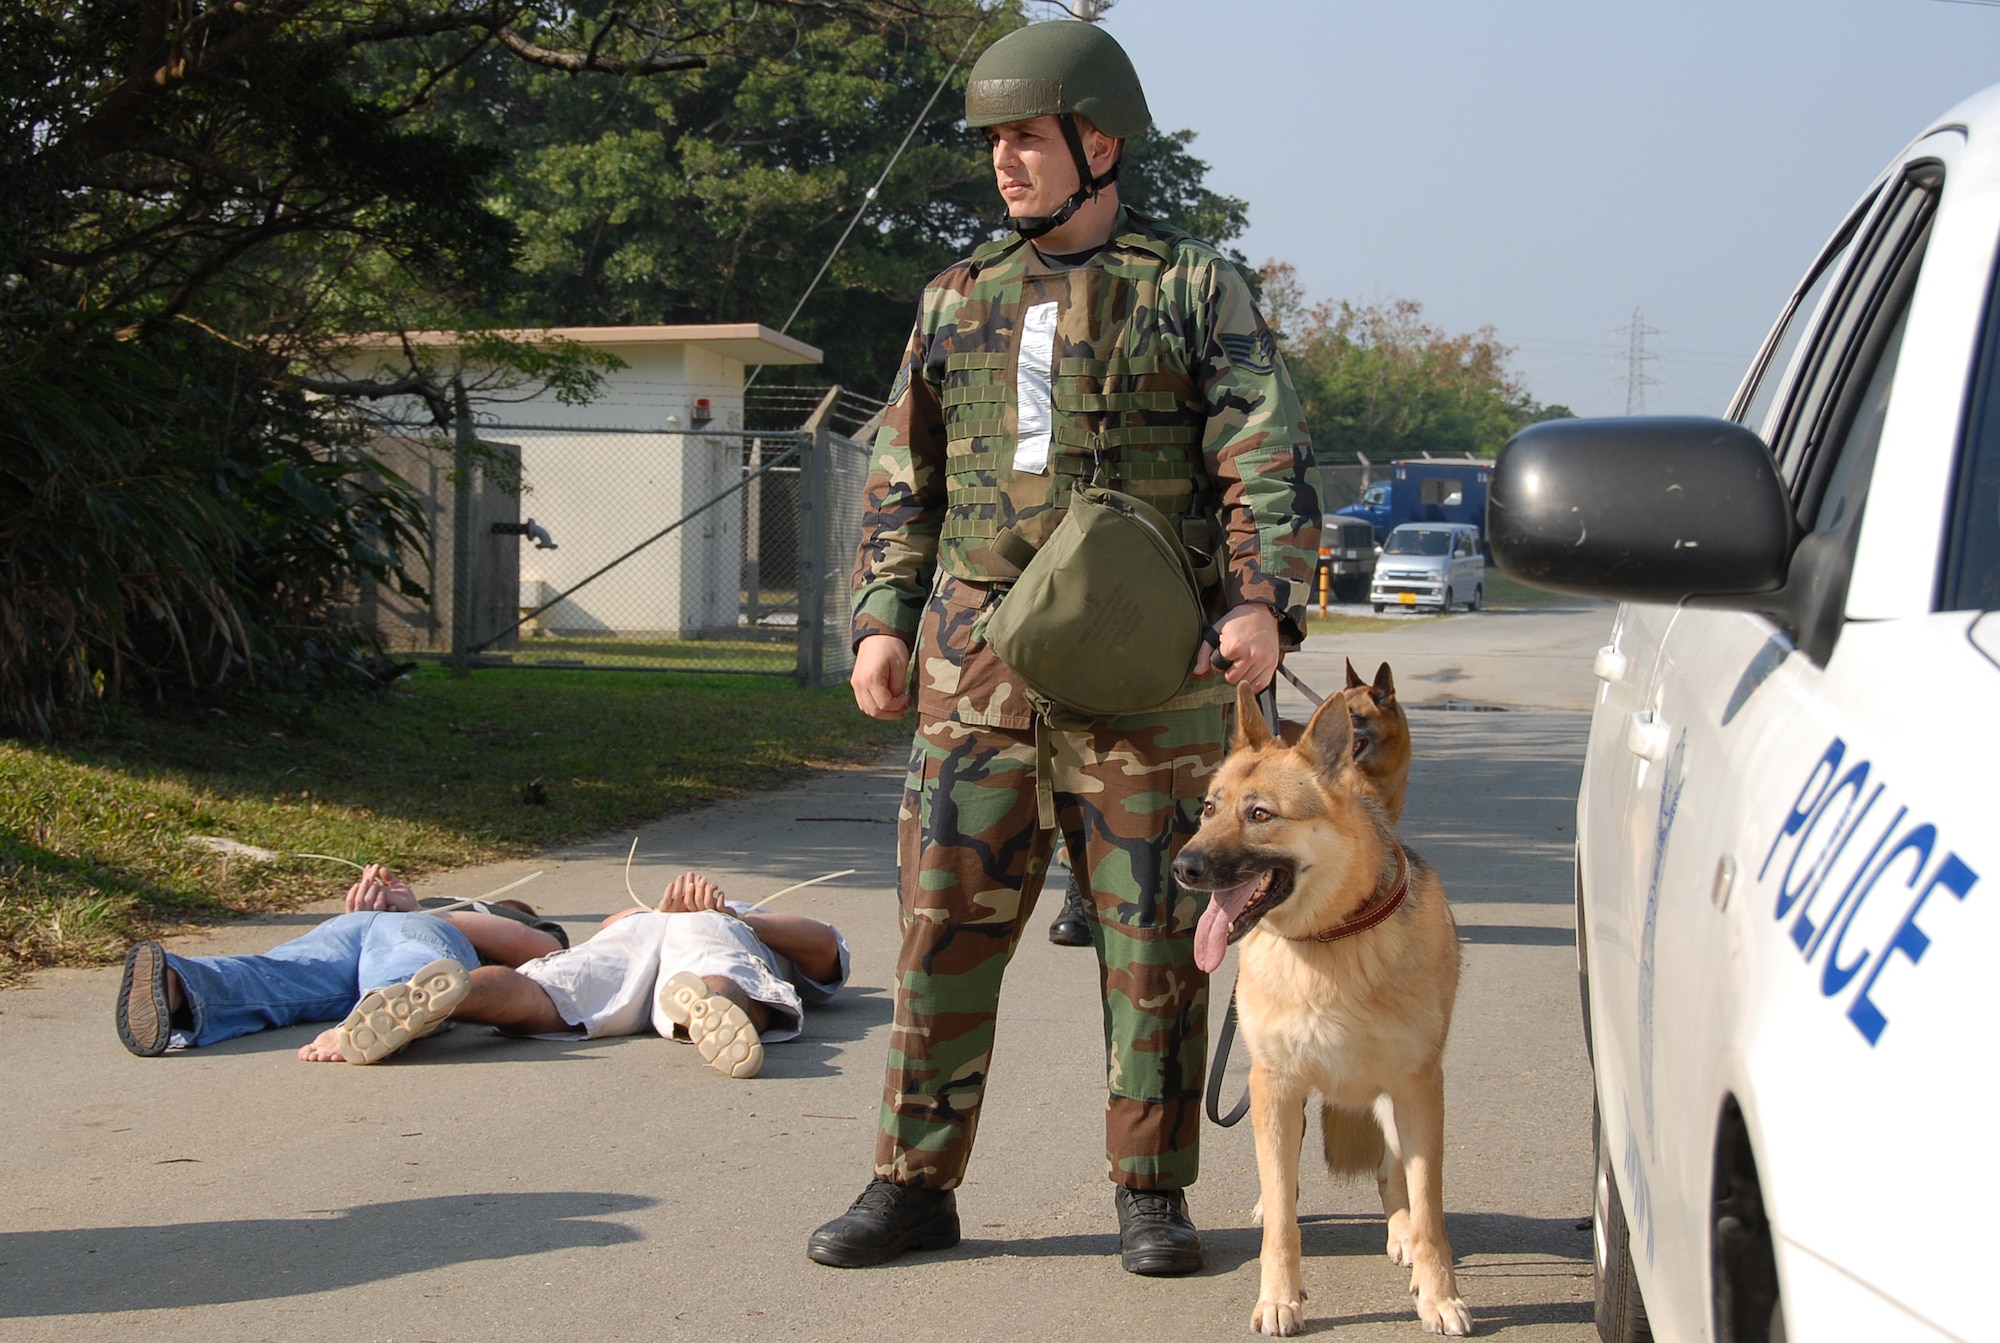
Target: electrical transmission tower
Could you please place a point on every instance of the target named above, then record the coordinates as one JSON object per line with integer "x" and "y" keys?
{"x": 1636, "y": 357}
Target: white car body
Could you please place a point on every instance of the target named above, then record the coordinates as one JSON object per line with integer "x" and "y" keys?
{"x": 1788, "y": 902}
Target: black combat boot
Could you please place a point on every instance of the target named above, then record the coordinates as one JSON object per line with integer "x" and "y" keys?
{"x": 887, "y": 1221}
{"x": 1072, "y": 925}
{"x": 1155, "y": 1236}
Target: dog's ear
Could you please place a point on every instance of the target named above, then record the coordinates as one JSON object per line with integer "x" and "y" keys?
{"x": 1385, "y": 684}
{"x": 1329, "y": 739}
{"x": 1252, "y": 730}
{"x": 1353, "y": 678}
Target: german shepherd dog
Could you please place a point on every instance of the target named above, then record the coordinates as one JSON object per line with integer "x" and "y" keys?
{"x": 1348, "y": 971}
{"x": 1381, "y": 737}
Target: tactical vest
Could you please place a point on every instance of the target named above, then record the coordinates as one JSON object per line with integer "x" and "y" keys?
{"x": 1121, "y": 391}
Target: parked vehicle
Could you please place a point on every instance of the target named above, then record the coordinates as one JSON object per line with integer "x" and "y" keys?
{"x": 1430, "y": 565}
{"x": 1786, "y": 803}
{"x": 1425, "y": 490}
{"x": 1346, "y": 558}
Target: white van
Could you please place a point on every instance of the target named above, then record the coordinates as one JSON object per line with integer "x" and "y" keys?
{"x": 1430, "y": 566}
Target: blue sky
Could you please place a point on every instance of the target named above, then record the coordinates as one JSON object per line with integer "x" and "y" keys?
{"x": 1546, "y": 167}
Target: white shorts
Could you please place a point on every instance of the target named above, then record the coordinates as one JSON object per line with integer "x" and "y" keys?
{"x": 607, "y": 985}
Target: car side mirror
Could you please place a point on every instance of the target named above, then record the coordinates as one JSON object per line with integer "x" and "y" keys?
{"x": 1642, "y": 509}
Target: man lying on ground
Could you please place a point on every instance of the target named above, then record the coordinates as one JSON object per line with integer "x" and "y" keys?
{"x": 697, "y": 968}
{"x": 410, "y": 965}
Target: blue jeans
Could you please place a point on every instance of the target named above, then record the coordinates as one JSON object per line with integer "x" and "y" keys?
{"x": 317, "y": 977}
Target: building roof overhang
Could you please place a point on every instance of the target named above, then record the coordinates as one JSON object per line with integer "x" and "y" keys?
{"x": 751, "y": 342}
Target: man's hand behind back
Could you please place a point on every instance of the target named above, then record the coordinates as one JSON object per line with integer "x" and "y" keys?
{"x": 692, "y": 893}
{"x": 381, "y": 889}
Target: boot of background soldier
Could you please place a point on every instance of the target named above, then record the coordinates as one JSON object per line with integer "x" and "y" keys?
{"x": 1071, "y": 927}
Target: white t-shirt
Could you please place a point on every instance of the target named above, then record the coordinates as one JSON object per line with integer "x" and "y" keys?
{"x": 607, "y": 985}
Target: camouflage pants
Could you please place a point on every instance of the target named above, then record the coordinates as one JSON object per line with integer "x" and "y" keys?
{"x": 972, "y": 858}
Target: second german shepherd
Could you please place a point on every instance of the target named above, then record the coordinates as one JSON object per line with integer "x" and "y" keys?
{"x": 1349, "y": 968}
{"x": 1381, "y": 737}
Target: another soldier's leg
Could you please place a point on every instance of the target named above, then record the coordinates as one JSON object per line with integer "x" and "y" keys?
{"x": 1071, "y": 925}
{"x": 1138, "y": 784}
{"x": 971, "y": 860}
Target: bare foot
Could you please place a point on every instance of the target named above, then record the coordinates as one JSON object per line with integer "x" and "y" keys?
{"x": 690, "y": 893}
{"x": 323, "y": 1048}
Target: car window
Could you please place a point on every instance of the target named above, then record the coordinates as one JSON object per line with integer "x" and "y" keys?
{"x": 1760, "y": 391}
{"x": 1821, "y": 401}
{"x": 1376, "y": 496}
{"x": 1444, "y": 493}
{"x": 1834, "y": 415}
{"x": 1417, "y": 543}
{"x": 1846, "y": 483}
{"x": 1970, "y": 580}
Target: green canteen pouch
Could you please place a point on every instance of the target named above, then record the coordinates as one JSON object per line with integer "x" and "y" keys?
{"x": 1107, "y": 616}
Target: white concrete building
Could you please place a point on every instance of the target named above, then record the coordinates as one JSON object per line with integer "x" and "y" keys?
{"x": 661, "y": 438}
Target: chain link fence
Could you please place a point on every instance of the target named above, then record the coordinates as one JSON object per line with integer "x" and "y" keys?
{"x": 1341, "y": 484}
{"x": 692, "y": 550}
{"x": 698, "y": 550}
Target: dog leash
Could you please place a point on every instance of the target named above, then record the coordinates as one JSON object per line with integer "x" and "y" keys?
{"x": 1268, "y": 696}
{"x": 1375, "y": 913}
{"x": 1223, "y": 1040}
{"x": 1299, "y": 685}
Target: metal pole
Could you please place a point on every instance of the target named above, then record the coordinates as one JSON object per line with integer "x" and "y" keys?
{"x": 812, "y": 545}
{"x": 753, "y": 538}
{"x": 461, "y": 532}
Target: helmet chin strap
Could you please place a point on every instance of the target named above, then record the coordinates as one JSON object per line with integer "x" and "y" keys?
{"x": 1032, "y": 227}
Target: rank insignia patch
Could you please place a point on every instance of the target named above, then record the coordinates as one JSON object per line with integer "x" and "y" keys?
{"x": 902, "y": 384}
{"x": 1256, "y": 353}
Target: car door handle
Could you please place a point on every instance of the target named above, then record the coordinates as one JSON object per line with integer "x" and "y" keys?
{"x": 1646, "y": 736}
{"x": 1610, "y": 665}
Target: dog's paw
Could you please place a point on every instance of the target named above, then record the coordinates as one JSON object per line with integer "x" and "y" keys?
{"x": 1278, "y": 1319}
{"x": 1401, "y": 1248}
{"x": 1448, "y": 1316}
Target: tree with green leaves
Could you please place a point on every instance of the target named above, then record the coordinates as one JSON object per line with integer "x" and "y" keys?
{"x": 202, "y": 199}
{"x": 205, "y": 200}
{"x": 1379, "y": 382}
{"x": 717, "y": 196}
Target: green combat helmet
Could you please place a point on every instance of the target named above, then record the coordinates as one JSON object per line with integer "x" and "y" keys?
{"x": 1064, "y": 69}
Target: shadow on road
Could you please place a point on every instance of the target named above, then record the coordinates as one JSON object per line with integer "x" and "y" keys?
{"x": 1515, "y": 935}
{"x": 97, "y": 1270}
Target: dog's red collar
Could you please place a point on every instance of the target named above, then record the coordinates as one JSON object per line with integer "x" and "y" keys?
{"x": 1372, "y": 914}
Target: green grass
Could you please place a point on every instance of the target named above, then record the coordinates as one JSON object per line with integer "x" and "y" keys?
{"x": 1356, "y": 624}
{"x": 671, "y": 654}
{"x": 94, "y": 847}
{"x": 1503, "y": 593}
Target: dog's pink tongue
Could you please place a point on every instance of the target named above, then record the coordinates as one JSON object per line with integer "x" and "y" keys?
{"x": 1211, "y": 935}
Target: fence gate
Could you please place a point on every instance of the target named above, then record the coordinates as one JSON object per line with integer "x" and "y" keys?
{"x": 700, "y": 550}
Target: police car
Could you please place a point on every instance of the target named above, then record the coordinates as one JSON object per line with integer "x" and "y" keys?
{"x": 1788, "y": 857}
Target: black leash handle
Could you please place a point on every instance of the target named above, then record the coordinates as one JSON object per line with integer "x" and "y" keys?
{"x": 1223, "y": 1040}
{"x": 1267, "y": 697}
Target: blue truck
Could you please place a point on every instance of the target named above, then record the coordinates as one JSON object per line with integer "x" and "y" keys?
{"x": 1428, "y": 489}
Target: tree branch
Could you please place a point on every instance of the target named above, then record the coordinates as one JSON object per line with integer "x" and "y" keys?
{"x": 374, "y": 390}
{"x": 594, "y": 63}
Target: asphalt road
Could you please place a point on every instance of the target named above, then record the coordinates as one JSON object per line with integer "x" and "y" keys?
{"x": 487, "y": 1188}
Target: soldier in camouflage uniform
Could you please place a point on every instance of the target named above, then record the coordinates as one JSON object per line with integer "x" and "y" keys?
{"x": 1090, "y": 331}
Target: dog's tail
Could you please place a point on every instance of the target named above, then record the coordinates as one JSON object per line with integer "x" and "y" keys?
{"x": 1354, "y": 1145}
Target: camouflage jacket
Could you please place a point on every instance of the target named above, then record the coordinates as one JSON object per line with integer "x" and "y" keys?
{"x": 1156, "y": 358}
